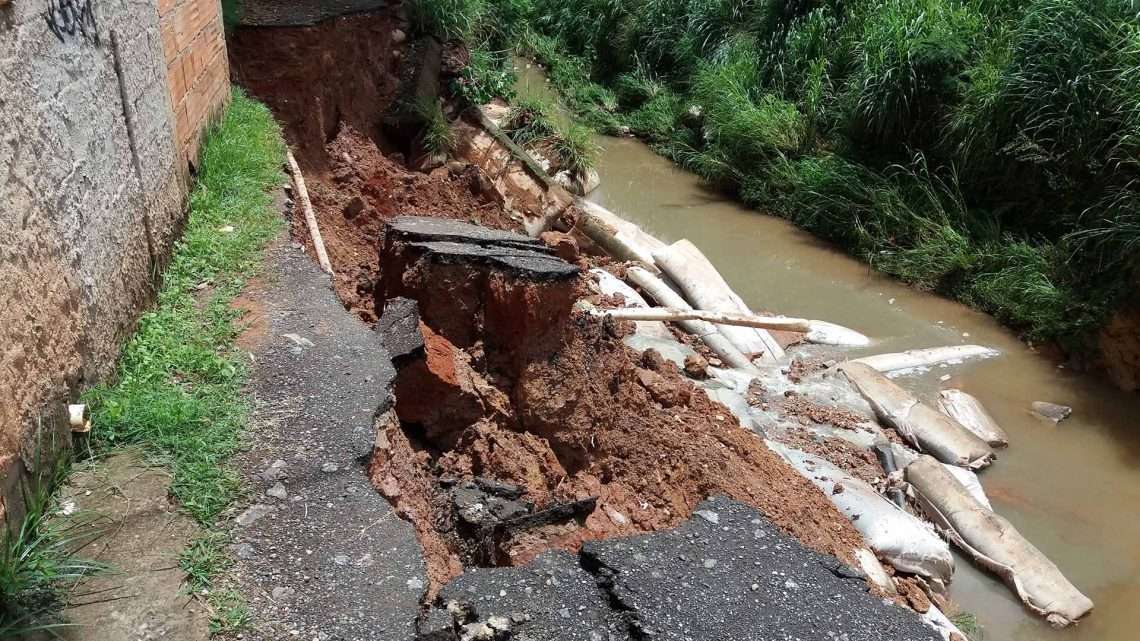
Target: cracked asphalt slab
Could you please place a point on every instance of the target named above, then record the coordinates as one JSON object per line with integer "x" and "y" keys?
{"x": 320, "y": 554}
{"x": 727, "y": 574}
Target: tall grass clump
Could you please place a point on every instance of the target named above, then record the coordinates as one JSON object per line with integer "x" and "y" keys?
{"x": 40, "y": 556}
{"x": 435, "y": 135}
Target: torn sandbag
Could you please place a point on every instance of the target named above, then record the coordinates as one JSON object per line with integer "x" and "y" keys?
{"x": 610, "y": 285}
{"x": 901, "y": 538}
{"x": 970, "y": 481}
{"x": 705, "y": 288}
{"x": 918, "y": 358}
{"x": 928, "y": 430}
{"x": 968, "y": 411}
{"x": 995, "y": 544}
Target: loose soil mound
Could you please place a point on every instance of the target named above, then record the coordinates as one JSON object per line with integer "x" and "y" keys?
{"x": 363, "y": 189}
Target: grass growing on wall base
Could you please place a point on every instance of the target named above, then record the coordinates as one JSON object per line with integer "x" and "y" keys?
{"x": 179, "y": 380}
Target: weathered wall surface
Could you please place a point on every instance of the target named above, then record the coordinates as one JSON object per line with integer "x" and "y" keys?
{"x": 194, "y": 45}
{"x": 91, "y": 196}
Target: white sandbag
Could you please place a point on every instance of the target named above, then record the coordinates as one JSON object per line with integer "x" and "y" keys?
{"x": 934, "y": 618}
{"x": 609, "y": 285}
{"x": 968, "y": 411}
{"x": 970, "y": 481}
{"x": 901, "y": 538}
{"x": 661, "y": 292}
{"x": 925, "y": 428}
{"x": 705, "y": 288}
{"x": 669, "y": 348}
{"x": 619, "y": 237}
{"x": 918, "y": 358}
{"x": 995, "y": 544}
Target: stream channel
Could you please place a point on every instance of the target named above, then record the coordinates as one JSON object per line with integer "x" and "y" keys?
{"x": 1072, "y": 489}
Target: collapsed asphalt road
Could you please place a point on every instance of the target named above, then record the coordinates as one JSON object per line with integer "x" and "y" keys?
{"x": 321, "y": 555}
{"x": 727, "y": 574}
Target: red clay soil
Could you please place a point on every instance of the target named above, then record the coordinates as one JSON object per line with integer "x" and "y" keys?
{"x": 316, "y": 78}
{"x": 364, "y": 188}
{"x": 596, "y": 420}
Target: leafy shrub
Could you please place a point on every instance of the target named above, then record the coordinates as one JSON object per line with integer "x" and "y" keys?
{"x": 487, "y": 76}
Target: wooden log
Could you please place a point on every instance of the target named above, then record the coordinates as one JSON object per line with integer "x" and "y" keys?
{"x": 310, "y": 217}
{"x": 995, "y": 544}
{"x": 660, "y": 291}
{"x": 968, "y": 411}
{"x": 925, "y": 357}
{"x": 705, "y": 288}
{"x": 927, "y": 429}
{"x": 820, "y": 332}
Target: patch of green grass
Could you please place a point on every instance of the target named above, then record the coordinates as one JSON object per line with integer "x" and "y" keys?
{"x": 436, "y": 134}
{"x": 39, "y": 557}
{"x": 967, "y": 622}
{"x": 531, "y": 121}
{"x": 446, "y": 19}
{"x": 576, "y": 149}
{"x": 177, "y": 392}
{"x": 487, "y": 76}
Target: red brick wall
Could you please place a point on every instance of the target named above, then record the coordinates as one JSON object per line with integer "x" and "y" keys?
{"x": 198, "y": 73}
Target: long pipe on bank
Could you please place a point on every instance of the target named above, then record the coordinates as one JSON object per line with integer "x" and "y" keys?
{"x": 310, "y": 217}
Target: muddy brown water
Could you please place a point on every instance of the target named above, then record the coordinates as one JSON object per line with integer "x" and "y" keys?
{"x": 1073, "y": 489}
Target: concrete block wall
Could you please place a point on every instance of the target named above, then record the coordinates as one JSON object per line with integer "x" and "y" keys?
{"x": 93, "y": 183}
{"x": 193, "y": 42}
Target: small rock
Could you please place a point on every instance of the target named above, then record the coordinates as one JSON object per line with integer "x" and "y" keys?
{"x": 416, "y": 584}
{"x": 708, "y": 515}
{"x": 617, "y": 517}
{"x": 298, "y": 340}
{"x": 697, "y": 366}
{"x": 253, "y": 513}
{"x": 244, "y": 551}
{"x": 1051, "y": 411}
{"x": 278, "y": 491}
{"x": 710, "y": 564}
{"x": 329, "y": 468}
{"x": 280, "y": 594}
{"x": 791, "y": 585}
{"x": 353, "y": 208}
{"x": 276, "y": 471}
{"x": 564, "y": 613}
{"x": 398, "y": 36}
{"x": 455, "y": 167}
{"x": 228, "y": 229}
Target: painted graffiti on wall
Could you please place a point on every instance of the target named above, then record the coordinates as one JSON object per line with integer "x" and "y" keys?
{"x": 71, "y": 18}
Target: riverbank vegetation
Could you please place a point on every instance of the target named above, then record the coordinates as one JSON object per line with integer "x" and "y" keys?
{"x": 986, "y": 150}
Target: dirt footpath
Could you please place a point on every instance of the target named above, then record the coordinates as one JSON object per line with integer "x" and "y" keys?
{"x": 139, "y": 534}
